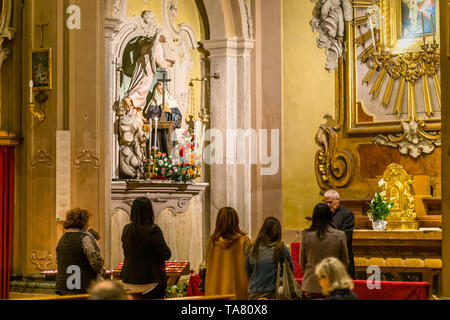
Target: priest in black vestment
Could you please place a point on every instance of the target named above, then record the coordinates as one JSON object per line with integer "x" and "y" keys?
{"x": 344, "y": 220}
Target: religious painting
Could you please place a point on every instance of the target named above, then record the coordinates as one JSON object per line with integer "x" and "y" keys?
{"x": 41, "y": 68}
{"x": 418, "y": 18}
{"x": 398, "y": 80}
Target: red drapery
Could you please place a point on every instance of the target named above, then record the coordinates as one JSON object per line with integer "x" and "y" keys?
{"x": 6, "y": 216}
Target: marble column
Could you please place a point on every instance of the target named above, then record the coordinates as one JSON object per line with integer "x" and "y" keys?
{"x": 230, "y": 183}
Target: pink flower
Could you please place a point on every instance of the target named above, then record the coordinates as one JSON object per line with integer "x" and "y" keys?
{"x": 163, "y": 154}
{"x": 170, "y": 171}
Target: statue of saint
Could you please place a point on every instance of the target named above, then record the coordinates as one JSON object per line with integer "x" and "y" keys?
{"x": 152, "y": 57}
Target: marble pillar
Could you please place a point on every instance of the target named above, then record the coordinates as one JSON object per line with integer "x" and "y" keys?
{"x": 230, "y": 182}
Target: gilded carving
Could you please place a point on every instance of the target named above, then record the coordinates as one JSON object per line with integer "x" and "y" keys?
{"x": 396, "y": 187}
{"x": 87, "y": 156}
{"x": 42, "y": 157}
{"x": 413, "y": 141}
{"x": 409, "y": 67}
{"x": 334, "y": 168}
{"x": 41, "y": 262}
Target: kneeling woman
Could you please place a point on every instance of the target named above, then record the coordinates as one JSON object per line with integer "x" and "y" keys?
{"x": 263, "y": 258}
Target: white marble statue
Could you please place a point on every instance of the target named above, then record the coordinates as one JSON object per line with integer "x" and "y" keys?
{"x": 329, "y": 20}
{"x": 132, "y": 145}
{"x": 153, "y": 55}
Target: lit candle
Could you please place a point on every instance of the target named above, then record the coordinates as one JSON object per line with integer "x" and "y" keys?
{"x": 31, "y": 91}
{"x": 196, "y": 123}
{"x": 156, "y": 128}
{"x": 432, "y": 28}
{"x": 423, "y": 30}
{"x": 150, "y": 133}
{"x": 383, "y": 30}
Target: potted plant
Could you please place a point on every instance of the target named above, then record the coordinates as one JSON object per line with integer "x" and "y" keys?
{"x": 379, "y": 210}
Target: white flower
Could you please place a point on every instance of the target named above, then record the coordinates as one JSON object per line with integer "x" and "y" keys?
{"x": 389, "y": 206}
{"x": 160, "y": 162}
{"x": 381, "y": 182}
{"x": 383, "y": 193}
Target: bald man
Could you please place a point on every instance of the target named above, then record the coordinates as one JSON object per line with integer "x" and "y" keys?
{"x": 344, "y": 220}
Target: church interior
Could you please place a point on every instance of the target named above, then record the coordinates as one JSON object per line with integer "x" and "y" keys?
{"x": 267, "y": 105}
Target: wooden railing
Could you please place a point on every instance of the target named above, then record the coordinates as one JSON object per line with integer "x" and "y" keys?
{"x": 133, "y": 295}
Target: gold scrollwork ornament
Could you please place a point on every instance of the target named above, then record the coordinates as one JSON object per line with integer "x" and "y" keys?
{"x": 333, "y": 168}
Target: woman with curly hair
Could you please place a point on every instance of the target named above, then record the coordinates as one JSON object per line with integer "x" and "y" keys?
{"x": 78, "y": 255}
{"x": 225, "y": 257}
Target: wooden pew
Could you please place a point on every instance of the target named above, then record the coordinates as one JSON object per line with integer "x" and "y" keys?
{"x": 132, "y": 295}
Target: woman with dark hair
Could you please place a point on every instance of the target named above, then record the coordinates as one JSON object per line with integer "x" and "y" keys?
{"x": 320, "y": 241}
{"x": 225, "y": 257}
{"x": 77, "y": 253}
{"x": 262, "y": 260}
{"x": 145, "y": 252}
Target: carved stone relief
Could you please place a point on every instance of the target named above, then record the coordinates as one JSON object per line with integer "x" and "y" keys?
{"x": 329, "y": 20}
{"x": 87, "y": 156}
{"x": 41, "y": 261}
{"x": 42, "y": 157}
{"x": 413, "y": 141}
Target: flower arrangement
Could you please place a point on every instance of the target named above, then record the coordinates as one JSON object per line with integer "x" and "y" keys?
{"x": 379, "y": 209}
{"x": 183, "y": 165}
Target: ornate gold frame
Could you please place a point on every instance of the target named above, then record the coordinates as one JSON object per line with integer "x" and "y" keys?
{"x": 347, "y": 77}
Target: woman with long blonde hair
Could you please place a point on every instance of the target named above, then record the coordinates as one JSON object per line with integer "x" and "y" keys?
{"x": 225, "y": 257}
{"x": 335, "y": 281}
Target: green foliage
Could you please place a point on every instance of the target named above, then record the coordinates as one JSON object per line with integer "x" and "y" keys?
{"x": 380, "y": 209}
{"x": 174, "y": 291}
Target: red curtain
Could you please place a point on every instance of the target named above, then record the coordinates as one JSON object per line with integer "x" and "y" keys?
{"x": 6, "y": 216}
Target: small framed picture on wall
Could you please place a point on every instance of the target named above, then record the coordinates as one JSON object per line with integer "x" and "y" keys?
{"x": 41, "y": 68}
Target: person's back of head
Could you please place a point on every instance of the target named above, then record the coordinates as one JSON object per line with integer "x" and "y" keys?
{"x": 227, "y": 224}
{"x": 321, "y": 219}
{"x": 141, "y": 215}
{"x": 77, "y": 218}
{"x": 108, "y": 290}
{"x": 269, "y": 234}
{"x": 333, "y": 275}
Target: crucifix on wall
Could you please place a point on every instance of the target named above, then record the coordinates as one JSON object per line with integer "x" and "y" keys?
{"x": 41, "y": 25}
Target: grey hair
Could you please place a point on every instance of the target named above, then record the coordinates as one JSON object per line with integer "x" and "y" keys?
{"x": 333, "y": 270}
{"x": 332, "y": 194}
{"x": 107, "y": 290}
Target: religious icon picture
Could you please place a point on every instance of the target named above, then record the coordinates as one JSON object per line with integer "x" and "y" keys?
{"x": 41, "y": 68}
{"x": 411, "y": 17}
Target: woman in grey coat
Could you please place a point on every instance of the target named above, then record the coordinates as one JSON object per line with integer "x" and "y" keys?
{"x": 320, "y": 241}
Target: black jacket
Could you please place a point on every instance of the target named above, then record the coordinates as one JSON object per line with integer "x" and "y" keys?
{"x": 342, "y": 294}
{"x": 344, "y": 220}
{"x": 70, "y": 255}
{"x": 144, "y": 259}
